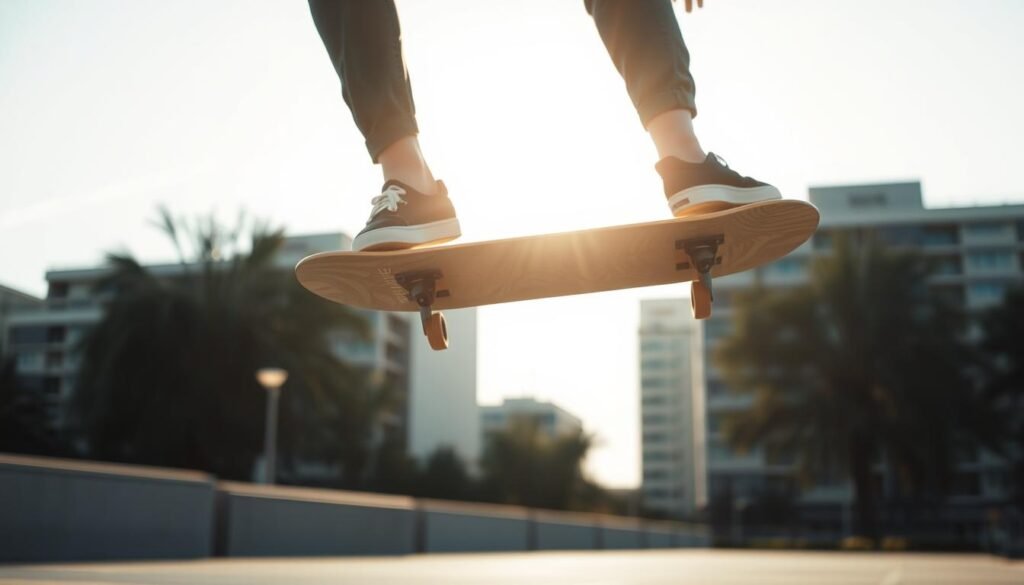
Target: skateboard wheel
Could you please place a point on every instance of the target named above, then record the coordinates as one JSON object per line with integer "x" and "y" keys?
{"x": 700, "y": 300}
{"x": 437, "y": 331}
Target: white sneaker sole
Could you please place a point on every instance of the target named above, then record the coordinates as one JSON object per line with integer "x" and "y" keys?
{"x": 709, "y": 198}
{"x": 404, "y": 237}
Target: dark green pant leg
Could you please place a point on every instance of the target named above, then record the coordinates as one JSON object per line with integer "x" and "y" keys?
{"x": 643, "y": 39}
{"x": 363, "y": 40}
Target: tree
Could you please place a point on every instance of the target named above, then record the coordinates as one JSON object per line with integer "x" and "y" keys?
{"x": 167, "y": 375}
{"x": 1003, "y": 344}
{"x": 525, "y": 466}
{"x": 23, "y": 420}
{"x": 444, "y": 476}
{"x": 860, "y": 363}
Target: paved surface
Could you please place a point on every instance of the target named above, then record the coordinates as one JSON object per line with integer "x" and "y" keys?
{"x": 681, "y": 567}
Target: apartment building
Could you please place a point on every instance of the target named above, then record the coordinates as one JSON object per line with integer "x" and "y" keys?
{"x": 672, "y": 415}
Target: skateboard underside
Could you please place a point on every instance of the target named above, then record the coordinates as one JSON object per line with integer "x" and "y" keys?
{"x": 532, "y": 267}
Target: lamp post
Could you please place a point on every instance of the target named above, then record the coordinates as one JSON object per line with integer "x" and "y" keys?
{"x": 271, "y": 379}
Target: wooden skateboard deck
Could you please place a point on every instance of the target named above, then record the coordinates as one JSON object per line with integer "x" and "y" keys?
{"x": 569, "y": 263}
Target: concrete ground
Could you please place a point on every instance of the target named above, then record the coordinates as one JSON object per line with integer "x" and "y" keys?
{"x": 675, "y": 567}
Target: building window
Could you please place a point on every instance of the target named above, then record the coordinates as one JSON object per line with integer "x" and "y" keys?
{"x": 822, "y": 241}
{"x": 715, "y": 329}
{"x": 989, "y": 229}
{"x": 716, "y": 388}
{"x": 900, "y": 235}
{"x": 56, "y": 334}
{"x": 656, "y": 456}
{"x": 989, "y": 260}
{"x": 718, "y": 451}
{"x": 787, "y": 267}
{"x": 654, "y": 400}
{"x": 655, "y": 419}
{"x": 654, "y": 382}
{"x": 28, "y": 334}
{"x": 652, "y": 345}
{"x": 655, "y": 437}
{"x": 714, "y": 423}
{"x": 58, "y": 290}
{"x": 654, "y": 364}
{"x": 398, "y": 326}
{"x": 655, "y": 474}
{"x": 987, "y": 292}
{"x": 29, "y": 360}
{"x": 867, "y": 200}
{"x": 940, "y": 235}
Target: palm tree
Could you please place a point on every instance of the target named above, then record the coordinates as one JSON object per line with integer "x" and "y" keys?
{"x": 1004, "y": 345}
{"x": 859, "y": 364}
{"x": 167, "y": 375}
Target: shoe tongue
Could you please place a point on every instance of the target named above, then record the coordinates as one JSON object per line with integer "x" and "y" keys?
{"x": 716, "y": 160}
{"x": 396, "y": 183}
{"x": 439, "y": 188}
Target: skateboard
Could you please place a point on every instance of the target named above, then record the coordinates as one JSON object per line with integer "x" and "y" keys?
{"x": 688, "y": 249}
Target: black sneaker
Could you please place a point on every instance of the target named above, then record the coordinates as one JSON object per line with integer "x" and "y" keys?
{"x": 402, "y": 217}
{"x": 709, "y": 186}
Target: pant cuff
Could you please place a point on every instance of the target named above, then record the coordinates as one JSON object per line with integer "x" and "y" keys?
{"x": 388, "y": 134}
{"x": 659, "y": 103}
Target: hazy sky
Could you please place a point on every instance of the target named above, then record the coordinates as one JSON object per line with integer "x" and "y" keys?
{"x": 108, "y": 108}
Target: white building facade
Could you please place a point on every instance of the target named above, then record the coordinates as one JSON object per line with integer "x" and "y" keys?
{"x": 443, "y": 411}
{"x": 671, "y": 409}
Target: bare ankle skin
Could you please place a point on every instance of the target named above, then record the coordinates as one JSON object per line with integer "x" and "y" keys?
{"x": 403, "y": 161}
{"x": 673, "y": 135}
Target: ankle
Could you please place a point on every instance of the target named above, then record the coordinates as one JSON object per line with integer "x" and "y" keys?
{"x": 419, "y": 179}
{"x": 673, "y": 136}
{"x": 403, "y": 161}
{"x": 691, "y": 153}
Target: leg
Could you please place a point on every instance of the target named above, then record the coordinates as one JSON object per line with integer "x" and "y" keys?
{"x": 643, "y": 39}
{"x": 647, "y": 48}
{"x": 363, "y": 40}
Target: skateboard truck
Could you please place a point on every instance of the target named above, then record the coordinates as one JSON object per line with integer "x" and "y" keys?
{"x": 421, "y": 286}
{"x": 703, "y": 256}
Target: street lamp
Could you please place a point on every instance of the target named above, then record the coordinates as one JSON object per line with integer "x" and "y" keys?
{"x": 271, "y": 379}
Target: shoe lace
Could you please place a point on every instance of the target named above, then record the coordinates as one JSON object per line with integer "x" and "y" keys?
{"x": 388, "y": 199}
{"x": 726, "y": 166}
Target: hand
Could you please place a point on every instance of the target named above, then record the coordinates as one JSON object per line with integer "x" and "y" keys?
{"x": 689, "y": 5}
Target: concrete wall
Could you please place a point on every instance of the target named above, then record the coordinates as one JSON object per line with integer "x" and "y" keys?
{"x": 659, "y": 535}
{"x": 622, "y": 533}
{"x": 61, "y": 510}
{"x": 256, "y": 520}
{"x": 458, "y": 527}
{"x": 562, "y": 531}
{"x": 691, "y": 536}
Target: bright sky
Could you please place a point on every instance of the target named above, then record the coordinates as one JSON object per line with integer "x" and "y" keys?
{"x": 108, "y": 107}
